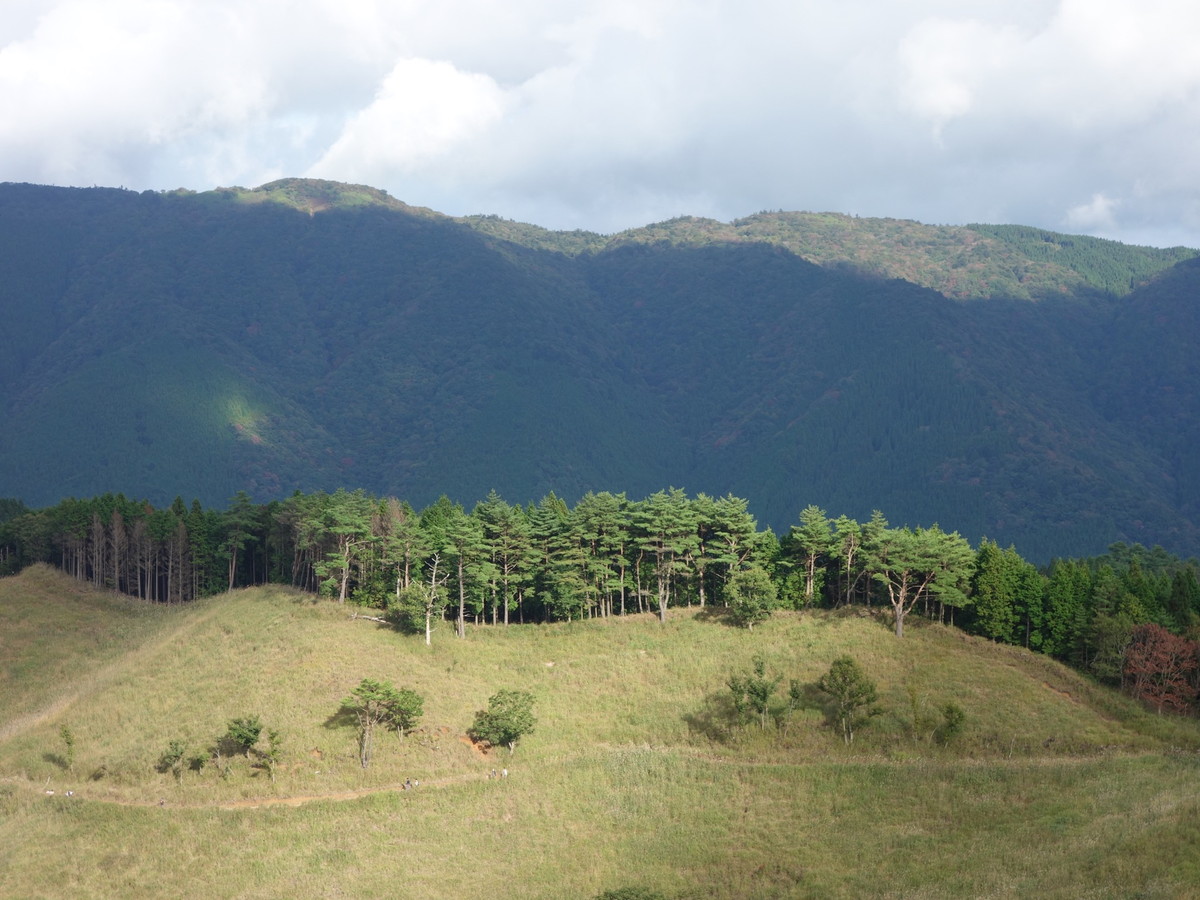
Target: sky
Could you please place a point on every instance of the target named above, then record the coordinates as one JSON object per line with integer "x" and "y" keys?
{"x": 1074, "y": 115}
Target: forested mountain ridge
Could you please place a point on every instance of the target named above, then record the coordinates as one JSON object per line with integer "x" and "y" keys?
{"x": 309, "y": 335}
{"x": 963, "y": 262}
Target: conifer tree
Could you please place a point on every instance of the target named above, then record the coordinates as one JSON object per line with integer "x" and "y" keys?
{"x": 814, "y": 541}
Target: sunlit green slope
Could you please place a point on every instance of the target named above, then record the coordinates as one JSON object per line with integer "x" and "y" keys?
{"x": 633, "y": 776}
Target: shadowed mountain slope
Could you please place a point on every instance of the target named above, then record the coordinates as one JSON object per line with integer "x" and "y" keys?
{"x": 311, "y": 335}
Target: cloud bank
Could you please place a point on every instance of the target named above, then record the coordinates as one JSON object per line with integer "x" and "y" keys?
{"x": 1078, "y": 115}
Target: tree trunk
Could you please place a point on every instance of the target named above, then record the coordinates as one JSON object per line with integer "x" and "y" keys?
{"x": 461, "y": 625}
{"x": 364, "y": 745}
{"x": 232, "y": 566}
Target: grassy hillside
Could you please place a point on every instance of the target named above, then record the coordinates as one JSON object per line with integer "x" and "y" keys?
{"x": 633, "y": 776}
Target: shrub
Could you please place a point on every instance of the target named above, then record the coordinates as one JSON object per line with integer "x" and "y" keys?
{"x": 242, "y": 734}
{"x": 68, "y": 739}
{"x": 953, "y": 720}
{"x": 507, "y": 719}
{"x": 172, "y": 759}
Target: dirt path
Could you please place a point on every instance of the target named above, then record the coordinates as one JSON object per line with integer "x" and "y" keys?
{"x": 436, "y": 783}
{"x": 24, "y": 723}
{"x": 259, "y": 802}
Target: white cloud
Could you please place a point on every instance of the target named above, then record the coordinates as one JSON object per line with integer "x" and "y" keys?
{"x": 946, "y": 63}
{"x": 1097, "y": 215}
{"x": 94, "y": 85}
{"x": 423, "y": 111}
{"x": 582, "y": 113}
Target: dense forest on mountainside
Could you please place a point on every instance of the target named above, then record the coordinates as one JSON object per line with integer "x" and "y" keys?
{"x": 1130, "y": 618}
{"x": 1034, "y": 388}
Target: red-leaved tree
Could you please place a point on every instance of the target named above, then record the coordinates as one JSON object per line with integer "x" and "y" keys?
{"x": 1161, "y": 668}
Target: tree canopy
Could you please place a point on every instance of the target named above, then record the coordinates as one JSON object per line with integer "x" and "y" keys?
{"x": 508, "y": 718}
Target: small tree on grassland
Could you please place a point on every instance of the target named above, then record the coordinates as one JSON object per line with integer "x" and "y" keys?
{"x": 507, "y": 719}
{"x": 752, "y": 692}
{"x": 853, "y": 695}
{"x": 380, "y": 703}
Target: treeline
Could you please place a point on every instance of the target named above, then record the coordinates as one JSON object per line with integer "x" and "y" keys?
{"x": 1127, "y": 617}
{"x": 163, "y": 555}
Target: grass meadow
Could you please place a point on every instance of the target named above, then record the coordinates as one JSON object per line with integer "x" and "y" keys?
{"x": 634, "y": 776}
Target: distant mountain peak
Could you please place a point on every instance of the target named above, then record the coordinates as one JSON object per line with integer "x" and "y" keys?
{"x": 314, "y": 195}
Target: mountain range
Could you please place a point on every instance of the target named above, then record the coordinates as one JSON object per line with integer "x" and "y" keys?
{"x": 1036, "y": 388}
